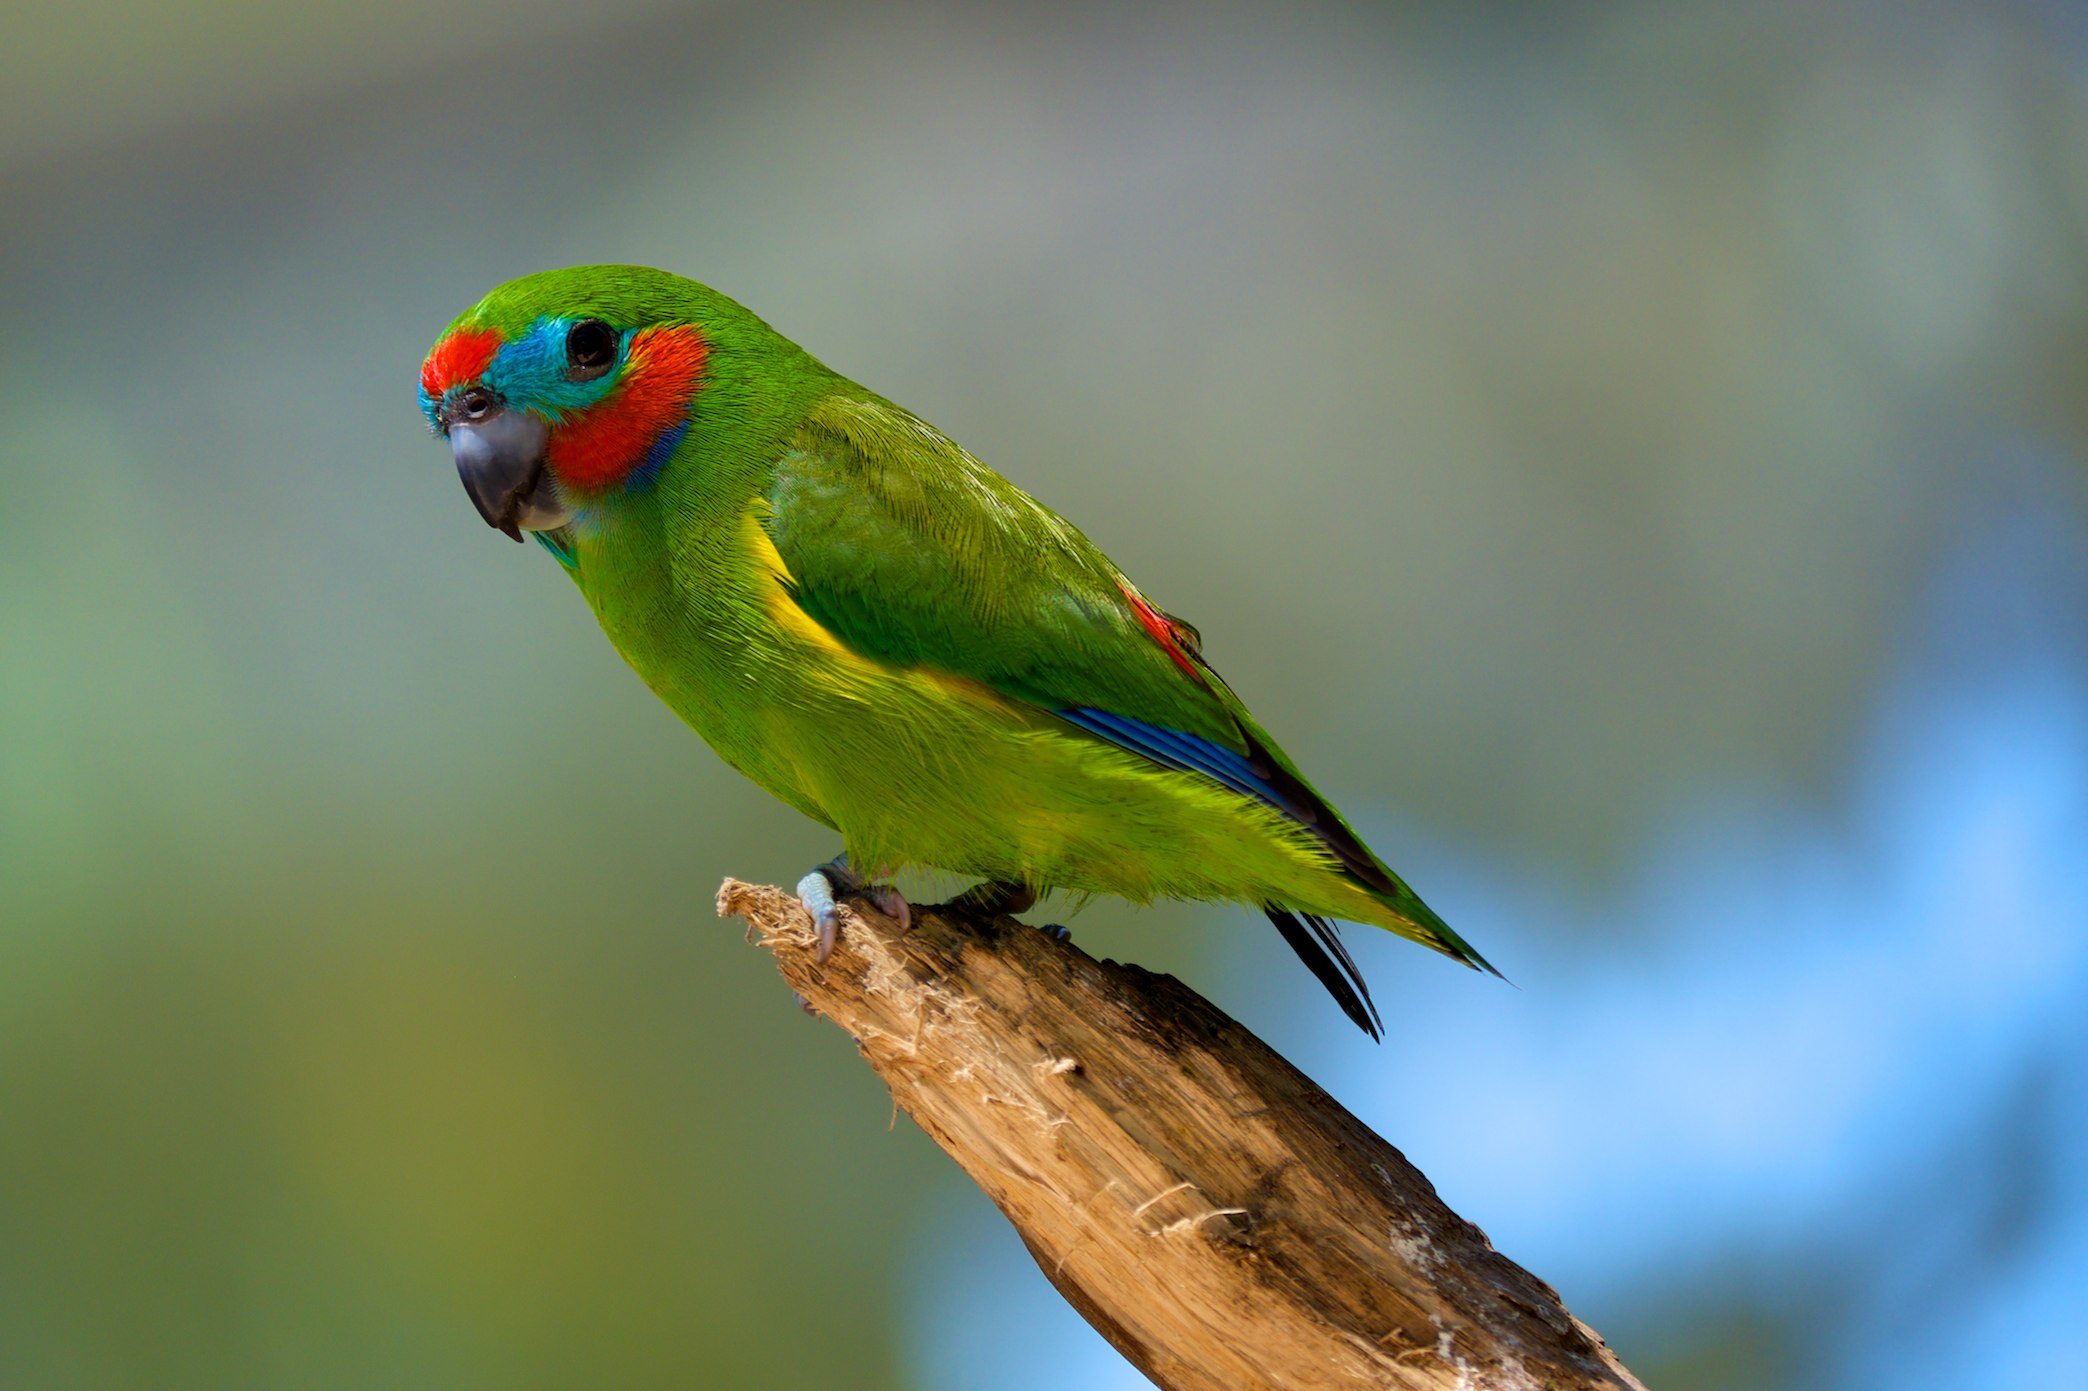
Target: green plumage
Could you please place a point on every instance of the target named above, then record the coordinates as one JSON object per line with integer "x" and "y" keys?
{"x": 881, "y": 631}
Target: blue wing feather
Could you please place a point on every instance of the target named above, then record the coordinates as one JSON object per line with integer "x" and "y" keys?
{"x": 1252, "y": 774}
{"x": 1172, "y": 748}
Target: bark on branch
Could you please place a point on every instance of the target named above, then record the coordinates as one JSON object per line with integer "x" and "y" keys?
{"x": 1215, "y": 1215}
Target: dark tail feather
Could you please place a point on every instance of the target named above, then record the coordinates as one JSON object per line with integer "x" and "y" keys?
{"x": 1321, "y": 951}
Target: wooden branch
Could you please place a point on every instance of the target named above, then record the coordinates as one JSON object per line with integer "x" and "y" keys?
{"x": 1210, "y": 1211}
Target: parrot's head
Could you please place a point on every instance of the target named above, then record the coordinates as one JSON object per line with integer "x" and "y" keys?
{"x": 566, "y": 392}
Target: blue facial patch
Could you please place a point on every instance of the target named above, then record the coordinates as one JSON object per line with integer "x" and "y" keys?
{"x": 530, "y": 371}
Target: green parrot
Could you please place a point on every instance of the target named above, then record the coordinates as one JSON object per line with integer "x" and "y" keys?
{"x": 879, "y": 629}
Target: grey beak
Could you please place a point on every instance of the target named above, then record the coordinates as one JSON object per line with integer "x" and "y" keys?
{"x": 500, "y": 458}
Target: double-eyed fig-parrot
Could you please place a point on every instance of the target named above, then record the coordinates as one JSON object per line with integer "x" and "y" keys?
{"x": 876, "y": 627}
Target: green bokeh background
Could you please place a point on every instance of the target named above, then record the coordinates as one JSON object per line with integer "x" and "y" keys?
{"x": 1542, "y": 410}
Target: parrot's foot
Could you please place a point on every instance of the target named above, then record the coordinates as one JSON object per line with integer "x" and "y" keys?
{"x": 839, "y": 876}
{"x": 993, "y": 899}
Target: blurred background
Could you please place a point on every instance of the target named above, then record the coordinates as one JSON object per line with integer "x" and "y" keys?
{"x": 1631, "y": 454}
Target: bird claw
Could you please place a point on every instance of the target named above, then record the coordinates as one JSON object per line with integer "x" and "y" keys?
{"x": 889, "y": 901}
{"x": 818, "y": 892}
{"x": 1058, "y": 932}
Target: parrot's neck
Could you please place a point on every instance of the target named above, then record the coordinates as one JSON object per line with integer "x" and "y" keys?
{"x": 684, "y": 581}
{"x": 659, "y": 565}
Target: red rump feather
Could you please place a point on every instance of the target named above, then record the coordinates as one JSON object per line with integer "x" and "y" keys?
{"x": 607, "y": 441}
{"x": 1164, "y": 631}
{"x": 464, "y": 356}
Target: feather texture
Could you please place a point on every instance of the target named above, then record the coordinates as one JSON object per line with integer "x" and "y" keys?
{"x": 894, "y": 639}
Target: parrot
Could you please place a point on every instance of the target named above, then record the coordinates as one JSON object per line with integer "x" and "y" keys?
{"x": 878, "y": 629}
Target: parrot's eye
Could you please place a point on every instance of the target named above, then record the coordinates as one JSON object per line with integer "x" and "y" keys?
{"x": 476, "y": 404}
{"x": 590, "y": 350}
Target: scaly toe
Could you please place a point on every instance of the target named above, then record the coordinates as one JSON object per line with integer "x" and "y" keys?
{"x": 838, "y": 878}
{"x": 816, "y": 892}
{"x": 887, "y": 899}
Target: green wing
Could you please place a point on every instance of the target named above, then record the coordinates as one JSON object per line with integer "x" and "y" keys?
{"x": 911, "y": 551}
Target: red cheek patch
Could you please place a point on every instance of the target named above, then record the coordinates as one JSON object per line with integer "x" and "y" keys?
{"x": 464, "y": 356}
{"x": 603, "y": 444}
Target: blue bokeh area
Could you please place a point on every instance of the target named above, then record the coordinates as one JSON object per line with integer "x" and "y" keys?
{"x": 1832, "y": 1062}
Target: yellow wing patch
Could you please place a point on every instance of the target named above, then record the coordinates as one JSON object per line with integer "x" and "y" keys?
{"x": 845, "y": 669}
{"x": 789, "y": 616}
